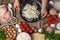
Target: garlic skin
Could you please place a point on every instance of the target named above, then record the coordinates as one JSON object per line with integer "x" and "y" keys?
{"x": 19, "y": 30}
{"x": 52, "y": 25}
{"x": 10, "y": 5}
{"x": 17, "y": 26}
{"x": 40, "y": 30}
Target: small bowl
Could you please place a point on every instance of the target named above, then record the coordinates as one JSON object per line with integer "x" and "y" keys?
{"x": 14, "y": 20}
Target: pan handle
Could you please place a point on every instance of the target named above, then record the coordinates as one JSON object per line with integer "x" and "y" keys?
{"x": 38, "y": 3}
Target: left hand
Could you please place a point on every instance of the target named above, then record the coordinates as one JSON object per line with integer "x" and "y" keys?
{"x": 16, "y": 5}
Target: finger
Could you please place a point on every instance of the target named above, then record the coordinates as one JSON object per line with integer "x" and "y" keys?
{"x": 18, "y": 8}
{"x": 43, "y": 15}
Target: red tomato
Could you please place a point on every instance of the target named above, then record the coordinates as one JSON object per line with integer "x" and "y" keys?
{"x": 26, "y": 26}
{"x": 49, "y": 18}
{"x": 49, "y": 22}
{"x": 52, "y": 19}
{"x": 21, "y": 26}
{"x": 23, "y": 29}
{"x": 31, "y": 31}
{"x": 24, "y": 23}
{"x": 28, "y": 29}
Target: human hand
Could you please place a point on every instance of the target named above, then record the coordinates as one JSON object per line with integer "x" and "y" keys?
{"x": 43, "y": 12}
{"x": 16, "y": 5}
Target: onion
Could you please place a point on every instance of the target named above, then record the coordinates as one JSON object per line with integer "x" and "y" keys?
{"x": 49, "y": 29}
{"x": 53, "y": 11}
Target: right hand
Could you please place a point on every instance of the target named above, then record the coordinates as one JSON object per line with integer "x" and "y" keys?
{"x": 43, "y": 12}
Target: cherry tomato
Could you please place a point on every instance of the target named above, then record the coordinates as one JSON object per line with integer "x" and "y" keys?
{"x": 31, "y": 31}
{"x": 21, "y": 26}
{"x": 24, "y": 23}
{"x": 26, "y": 26}
{"x": 49, "y": 22}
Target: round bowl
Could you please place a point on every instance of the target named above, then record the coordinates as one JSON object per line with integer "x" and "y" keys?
{"x": 38, "y": 8}
{"x": 11, "y": 13}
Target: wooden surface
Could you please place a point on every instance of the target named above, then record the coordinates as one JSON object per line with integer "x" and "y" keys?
{"x": 35, "y": 25}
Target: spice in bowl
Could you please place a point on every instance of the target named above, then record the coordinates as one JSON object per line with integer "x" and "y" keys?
{"x": 14, "y": 20}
